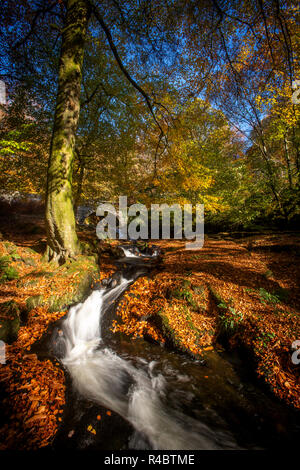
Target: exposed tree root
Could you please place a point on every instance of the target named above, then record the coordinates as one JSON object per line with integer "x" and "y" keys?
{"x": 58, "y": 256}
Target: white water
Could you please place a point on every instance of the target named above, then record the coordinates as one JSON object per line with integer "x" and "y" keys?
{"x": 128, "y": 253}
{"x": 135, "y": 393}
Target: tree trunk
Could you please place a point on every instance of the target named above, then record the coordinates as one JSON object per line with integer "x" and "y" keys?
{"x": 62, "y": 241}
{"x": 80, "y": 182}
{"x": 288, "y": 162}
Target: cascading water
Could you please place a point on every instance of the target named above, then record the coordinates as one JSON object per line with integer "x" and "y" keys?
{"x": 161, "y": 400}
{"x": 134, "y": 252}
{"x": 135, "y": 393}
{"x": 128, "y": 253}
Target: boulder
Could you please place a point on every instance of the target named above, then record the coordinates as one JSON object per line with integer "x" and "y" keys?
{"x": 9, "y": 321}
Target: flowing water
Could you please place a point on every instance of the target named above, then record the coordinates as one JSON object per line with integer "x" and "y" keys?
{"x": 160, "y": 399}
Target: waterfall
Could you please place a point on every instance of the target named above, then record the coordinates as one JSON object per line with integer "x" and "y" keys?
{"x": 136, "y": 393}
{"x": 129, "y": 253}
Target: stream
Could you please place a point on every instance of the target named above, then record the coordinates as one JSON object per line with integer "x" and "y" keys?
{"x": 157, "y": 398}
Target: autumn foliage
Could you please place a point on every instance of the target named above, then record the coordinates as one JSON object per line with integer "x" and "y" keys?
{"x": 224, "y": 290}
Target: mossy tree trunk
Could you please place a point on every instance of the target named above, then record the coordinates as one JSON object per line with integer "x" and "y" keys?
{"x": 62, "y": 241}
{"x": 80, "y": 180}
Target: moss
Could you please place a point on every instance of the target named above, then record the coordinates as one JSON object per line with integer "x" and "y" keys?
{"x": 34, "y": 301}
{"x": 9, "y": 246}
{"x": 15, "y": 257}
{"x": 173, "y": 341}
{"x": 86, "y": 270}
{"x": 29, "y": 262}
{"x": 185, "y": 292}
{"x": 46, "y": 274}
{"x": 9, "y": 321}
{"x": 7, "y": 272}
{"x": 78, "y": 293}
{"x": 87, "y": 248}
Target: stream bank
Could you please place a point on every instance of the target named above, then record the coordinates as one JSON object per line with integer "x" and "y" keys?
{"x": 33, "y": 296}
{"x": 278, "y": 423}
{"x": 214, "y": 395}
{"x": 246, "y": 293}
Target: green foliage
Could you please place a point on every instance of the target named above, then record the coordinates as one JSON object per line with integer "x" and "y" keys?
{"x": 265, "y": 338}
{"x": 230, "y": 317}
{"x": 185, "y": 293}
{"x": 23, "y": 145}
{"x": 279, "y": 295}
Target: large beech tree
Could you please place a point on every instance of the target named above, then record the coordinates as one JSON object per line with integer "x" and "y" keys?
{"x": 62, "y": 241}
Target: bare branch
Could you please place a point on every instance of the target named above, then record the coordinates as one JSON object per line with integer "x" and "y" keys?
{"x": 121, "y": 65}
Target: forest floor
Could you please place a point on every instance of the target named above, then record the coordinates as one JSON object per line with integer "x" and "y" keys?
{"x": 242, "y": 292}
{"x": 34, "y": 294}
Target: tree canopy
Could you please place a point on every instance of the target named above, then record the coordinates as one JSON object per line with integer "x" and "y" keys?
{"x": 169, "y": 100}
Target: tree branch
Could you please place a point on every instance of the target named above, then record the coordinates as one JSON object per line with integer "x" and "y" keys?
{"x": 121, "y": 65}
{"x": 40, "y": 11}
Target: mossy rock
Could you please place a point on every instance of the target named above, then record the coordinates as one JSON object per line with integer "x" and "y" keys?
{"x": 29, "y": 262}
{"x": 160, "y": 321}
{"x": 87, "y": 270}
{"x": 9, "y": 246}
{"x": 9, "y": 321}
{"x": 173, "y": 341}
{"x": 89, "y": 248}
{"x": 34, "y": 301}
{"x": 16, "y": 257}
{"x": 7, "y": 272}
{"x": 105, "y": 248}
{"x": 58, "y": 303}
{"x": 31, "y": 282}
{"x": 83, "y": 262}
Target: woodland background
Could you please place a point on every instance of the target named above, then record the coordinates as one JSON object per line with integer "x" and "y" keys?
{"x": 203, "y": 113}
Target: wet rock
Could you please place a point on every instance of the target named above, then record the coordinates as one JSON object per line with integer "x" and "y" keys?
{"x": 151, "y": 340}
{"x": 104, "y": 248}
{"x": 115, "y": 279}
{"x": 79, "y": 292}
{"x": 97, "y": 285}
